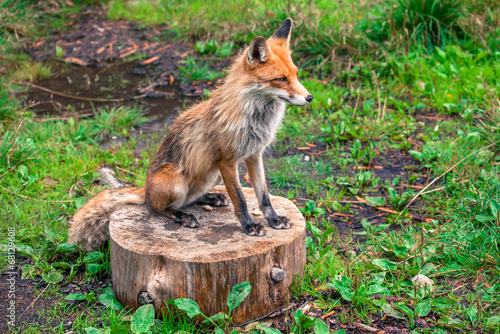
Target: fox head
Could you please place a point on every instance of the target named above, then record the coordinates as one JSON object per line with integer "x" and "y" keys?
{"x": 270, "y": 65}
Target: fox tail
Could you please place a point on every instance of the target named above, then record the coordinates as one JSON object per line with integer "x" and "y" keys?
{"x": 89, "y": 226}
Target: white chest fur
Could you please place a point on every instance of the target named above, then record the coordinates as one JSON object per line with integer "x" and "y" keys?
{"x": 262, "y": 117}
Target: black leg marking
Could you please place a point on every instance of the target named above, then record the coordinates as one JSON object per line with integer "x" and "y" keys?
{"x": 185, "y": 219}
{"x": 275, "y": 221}
{"x": 213, "y": 200}
{"x": 249, "y": 226}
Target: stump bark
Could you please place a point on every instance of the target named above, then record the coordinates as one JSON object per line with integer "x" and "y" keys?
{"x": 154, "y": 259}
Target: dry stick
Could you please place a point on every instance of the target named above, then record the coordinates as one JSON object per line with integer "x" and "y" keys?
{"x": 129, "y": 172}
{"x": 35, "y": 199}
{"x": 35, "y": 300}
{"x": 73, "y": 96}
{"x": 65, "y": 118}
{"x": 440, "y": 176}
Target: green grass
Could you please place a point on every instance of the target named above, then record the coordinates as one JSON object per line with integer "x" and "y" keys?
{"x": 372, "y": 82}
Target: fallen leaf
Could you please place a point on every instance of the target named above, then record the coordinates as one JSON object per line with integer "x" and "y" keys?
{"x": 75, "y": 61}
{"x": 150, "y": 60}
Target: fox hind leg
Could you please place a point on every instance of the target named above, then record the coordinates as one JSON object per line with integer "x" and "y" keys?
{"x": 213, "y": 199}
{"x": 185, "y": 219}
{"x": 166, "y": 191}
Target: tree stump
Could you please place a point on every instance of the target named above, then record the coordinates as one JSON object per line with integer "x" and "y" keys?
{"x": 154, "y": 259}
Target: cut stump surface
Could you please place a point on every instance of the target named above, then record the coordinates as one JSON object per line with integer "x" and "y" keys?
{"x": 154, "y": 259}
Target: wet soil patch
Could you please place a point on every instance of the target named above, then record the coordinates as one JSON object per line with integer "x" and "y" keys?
{"x": 27, "y": 305}
{"x": 78, "y": 91}
{"x": 33, "y": 296}
{"x": 103, "y": 74}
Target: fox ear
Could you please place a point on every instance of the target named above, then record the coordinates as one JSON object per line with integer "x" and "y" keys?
{"x": 258, "y": 50}
{"x": 284, "y": 32}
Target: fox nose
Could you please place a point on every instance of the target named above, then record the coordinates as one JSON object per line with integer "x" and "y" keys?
{"x": 309, "y": 98}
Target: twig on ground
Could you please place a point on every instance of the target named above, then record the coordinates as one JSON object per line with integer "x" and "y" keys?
{"x": 446, "y": 172}
{"x": 73, "y": 96}
{"x": 35, "y": 199}
{"x": 33, "y": 302}
{"x": 366, "y": 328}
{"x": 64, "y": 118}
{"x": 127, "y": 171}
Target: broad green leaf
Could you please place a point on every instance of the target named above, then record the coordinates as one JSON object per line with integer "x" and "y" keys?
{"x": 313, "y": 228}
{"x": 471, "y": 312}
{"x": 188, "y": 305}
{"x": 310, "y": 205}
{"x": 378, "y": 278}
{"x": 375, "y": 201}
{"x": 493, "y": 321}
{"x": 400, "y": 251}
{"x": 217, "y": 330}
{"x": 484, "y": 218}
{"x": 64, "y": 265}
{"x": 268, "y": 330}
{"x": 396, "y": 180}
{"x": 406, "y": 310}
{"x": 110, "y": 301}
{"x": 417, "y": 155}
{"x": 109, "y": 290}
{"x": 381, "y": 227}
{"x": 495, "y": 208}
{"x": 339, "y": 331}
{"x": 52, "y": 276}
{"x": 423, "y": 308}
{"x": 93, "y": 268}
{"x": 143, "y": 319}
{"x": 49, "y": 233}
{"x": 366, "y": 224}
{"x": 239, "y": 293}
{"x": 387, "y": 308}
{"x": 92, "y": 330}
{"x": 60, "y": 51}
{"x": 320, "y": 327}
{"x": 75, "y": 296}
{"x": 218, "y": 318}
{"x": 24, "y": 250}
{"x": 376, "y": 289}
{"x": 29, "y": 271}
{"x": 93, "y": 257}
{"x": 67, "y": 247}
{"x": 443, "y": 303}
{"x": 80, "y": 201}
{"x": 297, "y": 316}
{"x": 344, "y": 287}
{"x": 440, "y": 53}
{"x": 392, "y": 193}
{"x": 384, "y": 264}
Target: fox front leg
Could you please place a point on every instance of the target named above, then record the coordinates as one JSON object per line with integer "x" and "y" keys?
{"x": 255, "y": 168}
{"x": 229, "y": 174}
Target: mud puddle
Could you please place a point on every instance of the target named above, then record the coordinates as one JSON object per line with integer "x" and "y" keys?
{"x": 79, "y": 91}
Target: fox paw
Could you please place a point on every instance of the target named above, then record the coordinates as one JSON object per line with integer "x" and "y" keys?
{"x": 188, "y": 220}
{"x": 216, "y": 200}
{"x": 254, "y": 229}
{"x": 279, "y": 222}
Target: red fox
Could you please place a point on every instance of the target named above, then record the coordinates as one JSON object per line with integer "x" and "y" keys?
{"x": 207, "y": 142}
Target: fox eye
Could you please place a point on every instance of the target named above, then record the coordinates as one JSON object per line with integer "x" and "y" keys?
{"x": 282, "y": 79}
